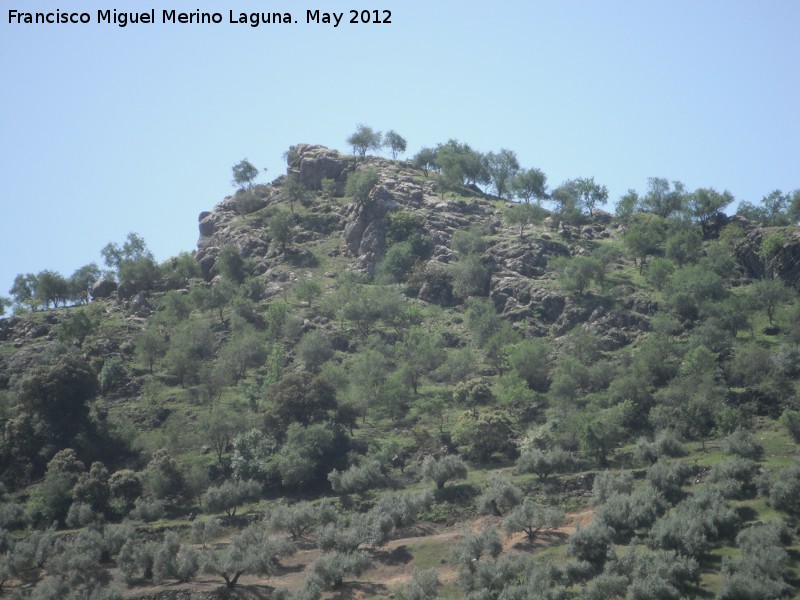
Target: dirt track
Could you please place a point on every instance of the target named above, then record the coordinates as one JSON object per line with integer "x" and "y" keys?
{"x": 392, "y": 564}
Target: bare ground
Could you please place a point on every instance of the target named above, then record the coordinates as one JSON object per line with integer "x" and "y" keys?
{"x": 392, "y": 565}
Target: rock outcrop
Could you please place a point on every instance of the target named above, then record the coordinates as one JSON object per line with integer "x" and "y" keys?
{"x": 516, "y": 267}
{"x": 311, "y": 164}
{"x": 785, "y": 263}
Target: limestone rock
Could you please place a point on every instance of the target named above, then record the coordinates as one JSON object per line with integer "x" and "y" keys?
{"x": 140, "y": 305}
{"x": 312, "y": 164}
{"x": 103, "y": 288}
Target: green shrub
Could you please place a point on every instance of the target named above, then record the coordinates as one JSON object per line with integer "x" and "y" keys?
{"x": 397, "y": 263}
{"x": 360, "y": 184}
{"x": 113, "y": 375}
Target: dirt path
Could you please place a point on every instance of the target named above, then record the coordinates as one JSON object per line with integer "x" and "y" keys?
{"x": 392, "y": 564}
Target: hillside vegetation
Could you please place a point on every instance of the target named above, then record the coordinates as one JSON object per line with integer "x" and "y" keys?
{"x": 375, "y": 378}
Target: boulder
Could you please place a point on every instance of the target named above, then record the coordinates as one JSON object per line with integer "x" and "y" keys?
{"x": 140, "y": 305}
{"x": 103, "y": 288}
{"x": 312, "y": 164}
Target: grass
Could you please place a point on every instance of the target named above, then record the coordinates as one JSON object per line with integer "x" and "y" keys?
{"x": 430, "y": 554}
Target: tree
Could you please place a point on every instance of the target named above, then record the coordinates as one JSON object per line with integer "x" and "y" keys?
{"x": 759, "y": 573}
{"x": 171, "y": 560}
{"x": 397, "y": 263}
{"x": 294, "y": 191}
{"x": 4, "y": 303}
{"x": 644, "y": 238}
{"x": 253, "y": 452}
{"x": 578, "y": 272}
{"x": 137, "y": 275}
{"x": 543, "y": 462}
{"x": 474, "y": 546}
{"x": 364, "y": 139}
{"x": 784, "y": 492}
{"x": 178, "y": 271}
{"x": 704, "y": 203}
{"x": 479, "y": 436}
{"x": 299, "y": 518}
{"x": 307, "y": 290}
{"x": 523, "y": 215}
{"x": 395, "y": 142}
{"x": 244, "y": 173}
{"x": 113, "y": 375}
{"x": 358, "y": 478}
{"x": 281, "y": 228}
{"x": 499, "y": 496}
{"x": 230, "y": 495}
{"x": 775, "y": 209}
{"x": 150, "y": 346}
{"x": 230, "y": 265}
{"x": 124, "y": 487}
{"x": 330, "y": 568}
{"x": 163, "y": 477}
{"x": 23, "y": 291}
{"x": 502, "y": 168}
{"x": 566, "y": 198}
{"x": 418, "y": 355}
{"x": 133, "y": 248}
{"x": 217, "y": 296}
{"x": 458, "y": 164}
{"x": 92, "y": 488}
{"x": 627, "y": 205}
{"x": 531, "y": 517}
{"x": 251, "y": 551}
{"x": 52, "y": 498}
{"x": 684, "y": 245}
{"x": 590, "y": 193}
{"x": 424, "y": 585}
{"x": 51, "y": 287}
{"x": 425, "y": 159}
{"x": 668, "y": 478}
{"x": 662, "y": 199}
{"x": 529, "y": 184}
{"x": 314, "y": 349}
{"x": 57, "y": 396}
{"x": 768, "y": 294}
{"x": 599, "y": 436}
{"x": 299, "y": 398}
{"x": 443, "y": 470}
{"x": 310, "y": 453}
{"x": 591, "y": 544}
{"x": 81, "y": 282}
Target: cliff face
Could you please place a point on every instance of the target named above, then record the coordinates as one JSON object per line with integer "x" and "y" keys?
{"x": 785, "y": 263}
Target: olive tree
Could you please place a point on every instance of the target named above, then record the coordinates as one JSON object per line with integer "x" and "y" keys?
{"x": 230, "y": 495}
{"x": 364, "y": 139}
{"x": 251, "y": 551}
{"x": 531, "y": 517}
{"x": 244, "y": 173}
{"x": 443, "y": 470}
{"x": 395, "y": 142}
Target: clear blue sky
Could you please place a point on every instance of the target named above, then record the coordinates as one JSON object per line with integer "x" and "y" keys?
{"x": 106, "y": 130}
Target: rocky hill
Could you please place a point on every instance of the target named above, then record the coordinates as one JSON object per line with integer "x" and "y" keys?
{"x": 294, "y": 401}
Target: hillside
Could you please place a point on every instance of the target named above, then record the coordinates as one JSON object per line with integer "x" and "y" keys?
{"x": 369, "y": 369}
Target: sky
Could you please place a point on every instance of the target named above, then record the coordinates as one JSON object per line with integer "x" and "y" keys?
{"x": 107, "y": 130}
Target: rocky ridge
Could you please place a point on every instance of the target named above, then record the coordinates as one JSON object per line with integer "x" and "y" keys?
{"x": 519, "y": 274}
